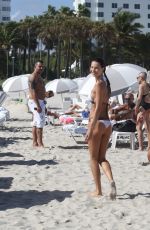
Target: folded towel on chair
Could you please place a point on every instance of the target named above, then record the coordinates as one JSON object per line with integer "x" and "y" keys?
{"x": 75, "y": 129}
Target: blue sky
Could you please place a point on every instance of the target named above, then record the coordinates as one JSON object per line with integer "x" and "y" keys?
{"x": 22, "y": 8}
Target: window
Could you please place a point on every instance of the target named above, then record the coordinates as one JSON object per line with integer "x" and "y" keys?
{"x": 114, "y": 5}
{"x": 113, "y": 14}
{"x": 126, "y": 6}
{"x": 4, "y": 8}
{"x": 137, "y": 6}
{"x": 138, "y": 15}
{"x": 148, "y": 25}
{"x": 148, "y": 15}
{"x": 100, "y": 14}
{"x": 5, "y": 19}
{"x": 87, "y": 4}
{"x": 148, "y": 7}
{"x": 100, "y": 4}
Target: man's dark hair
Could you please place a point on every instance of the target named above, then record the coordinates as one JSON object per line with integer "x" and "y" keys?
{"x": 39, "y": 61}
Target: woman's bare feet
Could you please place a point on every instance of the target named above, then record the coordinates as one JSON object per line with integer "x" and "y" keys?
{"x": 95, "y": 194}
{"x": 35, "y": 144}
{"x": 140, "y": 148}
{"x": 41, "y": 146}
{"x": 113, "y": 191}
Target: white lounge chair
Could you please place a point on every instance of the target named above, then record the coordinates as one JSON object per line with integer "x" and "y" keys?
{"x": 79, "y": 128}
{"x": 5, "y": 112}
{"x": 67, "y": 101}
{"x": 123, "y": 136}
{"x": 3, "y": 97}
{"x": 2, "y": 119}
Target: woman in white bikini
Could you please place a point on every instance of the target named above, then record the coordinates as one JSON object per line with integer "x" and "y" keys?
{"x": 99, "y": 129}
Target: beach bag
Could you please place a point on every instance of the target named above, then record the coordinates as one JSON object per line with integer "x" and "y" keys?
{"x": 125, "y": 126}
{"x": 85, "y": 114}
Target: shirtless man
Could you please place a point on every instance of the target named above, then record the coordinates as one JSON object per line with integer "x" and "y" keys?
{"x": 37, "y": 103}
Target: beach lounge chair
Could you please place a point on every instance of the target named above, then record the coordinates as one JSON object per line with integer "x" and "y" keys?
{"x": 78, "y": 128}
{"x": 2, "y": 119}
{"x": 5, "y": 112}
{"x": 67, "y": 101}
{"x": 123, "y": 136}
{"x": 3, "y": 97}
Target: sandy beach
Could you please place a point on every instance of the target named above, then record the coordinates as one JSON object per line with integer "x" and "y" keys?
{"x": 42, "y": 189}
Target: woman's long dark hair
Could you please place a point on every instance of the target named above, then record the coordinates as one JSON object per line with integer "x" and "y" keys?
{"x": 102, "y": 64}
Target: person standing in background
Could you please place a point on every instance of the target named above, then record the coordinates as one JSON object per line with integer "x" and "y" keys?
{"x": 99, "y": 128}
{"x": 37, "y": 103}
{"x": 142, "y": 108}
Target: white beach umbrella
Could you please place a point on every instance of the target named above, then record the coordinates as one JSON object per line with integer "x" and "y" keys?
{"x": 79, "y": 81}
{"x": 121, "y": 77}
{"x": 62, "y": 85}
{"x": 16, "y": 84}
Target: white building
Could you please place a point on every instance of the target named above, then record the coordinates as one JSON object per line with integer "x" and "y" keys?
{"x": 5, "y": 10}
{"x": 106, "y": 9}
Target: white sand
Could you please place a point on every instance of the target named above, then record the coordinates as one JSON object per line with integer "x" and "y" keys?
{"x": 42, "y": 189}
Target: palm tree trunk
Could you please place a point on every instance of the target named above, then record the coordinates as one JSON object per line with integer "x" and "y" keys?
{"x": 58, "y": 58}
{"x": 70, "y": 58}
{"x": 7, "y": 63}
{"x": 47, "y": 65}
{"x": 81, "y": 59}
{"x": 24, "y": 61}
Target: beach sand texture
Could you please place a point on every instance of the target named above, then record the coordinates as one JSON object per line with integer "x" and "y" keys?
{"x": 42, "y": 189}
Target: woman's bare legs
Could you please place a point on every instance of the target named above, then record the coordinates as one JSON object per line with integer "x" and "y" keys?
{"x": 103, "y": 148}
{"x": 97, "y": 147}
{"x": 140, "y": 132}
{"x": 147, "y": 121}
{"x": 105, "y": 164}
{"x": 94, "y": 144}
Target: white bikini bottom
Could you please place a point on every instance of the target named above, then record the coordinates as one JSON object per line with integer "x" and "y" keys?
{"x": 107, "y": 123}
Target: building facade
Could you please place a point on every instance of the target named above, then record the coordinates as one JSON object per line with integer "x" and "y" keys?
{"x": 5, "y": 10}
{"x": 106, "y": 9}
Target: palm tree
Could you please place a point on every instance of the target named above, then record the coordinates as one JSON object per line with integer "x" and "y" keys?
{"x": 27, "y": 39}
{"x": 83, "y": 11}
{"x": 66, "y": 11}
{"x": 103, "y": 33}
{"x": 8, "y": 38}
{"x": 125, "y": 27}
{"x": 142, "y": 50}
{"x": 48, "y": 35}
{"x": 51, "y": 12}
{"x": 67, "y": 17}
{"x": 83, "y": 35}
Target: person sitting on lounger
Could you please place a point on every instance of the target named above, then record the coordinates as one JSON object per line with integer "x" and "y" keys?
{"x": 50, "y": 94}
{"x": 78, "y": 110}
{"x": 125, "y": 114}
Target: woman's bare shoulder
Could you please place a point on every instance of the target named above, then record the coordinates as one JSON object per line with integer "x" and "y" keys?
{"x": 100, "y": 83}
